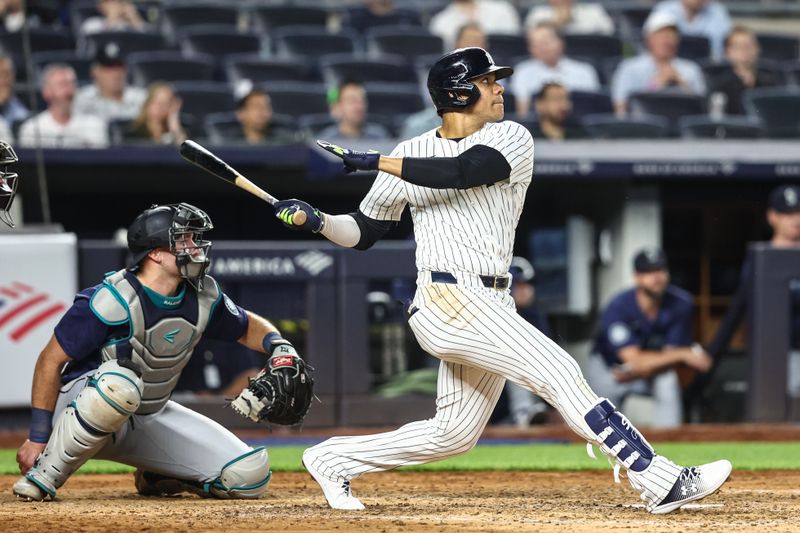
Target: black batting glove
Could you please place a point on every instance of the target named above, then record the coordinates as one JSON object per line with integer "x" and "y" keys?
{"x": 285, "y": 209}
{"x": 353, "y": 160}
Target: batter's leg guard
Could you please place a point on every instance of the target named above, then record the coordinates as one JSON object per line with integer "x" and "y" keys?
{"x": 102, "y": 407}
{"x": 246, "y": 477}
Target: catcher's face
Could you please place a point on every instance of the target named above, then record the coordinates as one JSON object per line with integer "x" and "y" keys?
{"x": 490, "y": 106}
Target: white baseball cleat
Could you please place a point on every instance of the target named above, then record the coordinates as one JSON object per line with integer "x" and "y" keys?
{"x": 337, "y": 493}
{"x": 27, "y": 490}
{"x": 694, "y": 483}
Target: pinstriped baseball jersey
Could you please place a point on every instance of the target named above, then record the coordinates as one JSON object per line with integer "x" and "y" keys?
{"x": 469, "y": 230}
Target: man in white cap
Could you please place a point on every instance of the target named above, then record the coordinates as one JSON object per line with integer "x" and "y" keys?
{"x": 659, "y": 68}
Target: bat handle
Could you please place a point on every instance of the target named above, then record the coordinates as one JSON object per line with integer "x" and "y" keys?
{"x": 299, "y": 218}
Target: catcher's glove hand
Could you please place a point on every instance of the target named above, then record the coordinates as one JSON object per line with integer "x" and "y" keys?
{"x": 281, "y": 393}
{"x": 352, "y": 159}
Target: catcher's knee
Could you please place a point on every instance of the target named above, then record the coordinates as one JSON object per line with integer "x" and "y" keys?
{"x": 247, "y": 476}
{"x": 112, "y": 395}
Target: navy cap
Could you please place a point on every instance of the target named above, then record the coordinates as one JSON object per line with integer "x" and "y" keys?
{"x": 650, "y": 260}
{"x": 785, "y": 199}
{"x": 109, "y": 55}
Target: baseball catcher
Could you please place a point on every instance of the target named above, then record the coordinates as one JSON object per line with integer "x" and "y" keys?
{"x": 102, "y": 384}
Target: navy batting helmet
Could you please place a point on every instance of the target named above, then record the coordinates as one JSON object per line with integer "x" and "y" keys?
{"x": 450, "y": 78}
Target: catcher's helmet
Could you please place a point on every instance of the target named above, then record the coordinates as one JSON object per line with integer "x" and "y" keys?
{"x": 8, "y": 182}
{"x": 169, "y": 226}
{"x": 449, "y": 80}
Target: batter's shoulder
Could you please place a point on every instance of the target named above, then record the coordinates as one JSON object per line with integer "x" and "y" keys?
{"x": 511, "y": 129}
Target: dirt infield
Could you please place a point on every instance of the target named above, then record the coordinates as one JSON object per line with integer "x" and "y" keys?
{"x": 411, "y": 501}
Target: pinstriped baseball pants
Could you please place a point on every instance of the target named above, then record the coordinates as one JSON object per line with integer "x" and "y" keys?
{"x": 481, "y": 341}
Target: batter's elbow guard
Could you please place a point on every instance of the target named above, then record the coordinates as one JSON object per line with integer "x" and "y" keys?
{"x": 245, "y": 477}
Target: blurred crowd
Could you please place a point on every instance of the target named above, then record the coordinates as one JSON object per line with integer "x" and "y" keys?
{"x": 106, "y": 72}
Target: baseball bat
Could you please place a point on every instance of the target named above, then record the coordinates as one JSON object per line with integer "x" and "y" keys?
{"x": 197, "y": 155}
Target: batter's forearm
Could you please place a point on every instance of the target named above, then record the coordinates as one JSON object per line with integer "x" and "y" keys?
{"x": 391, "y": 165}
{"x": 341, "y": 229}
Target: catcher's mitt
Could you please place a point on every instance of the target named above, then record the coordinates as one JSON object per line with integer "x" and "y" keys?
{"x": 281, "y": 393}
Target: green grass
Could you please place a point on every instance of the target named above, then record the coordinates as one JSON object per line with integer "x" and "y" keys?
{"x": 743, "y": 455}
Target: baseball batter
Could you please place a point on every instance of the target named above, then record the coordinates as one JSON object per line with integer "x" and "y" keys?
{"x": 465, "y": 183}
{"x": 8, "y": 182}
{"x": 122, "y": 346}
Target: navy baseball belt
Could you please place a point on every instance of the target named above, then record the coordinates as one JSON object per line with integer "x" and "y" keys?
{"x": 492, "y": 282}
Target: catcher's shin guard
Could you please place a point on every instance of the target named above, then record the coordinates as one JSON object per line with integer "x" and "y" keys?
{"x": 102, "y": 407}
{"x": 247, "y": 476}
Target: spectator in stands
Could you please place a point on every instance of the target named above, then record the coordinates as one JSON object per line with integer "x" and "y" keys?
{"x": 110, "y": 97}
{"x": 376, "y": 13}
{"x": 349, "y": 110}
{"x": 553, "y": 110}
{"x": 742, "y": 51}
{"x": 493, "y": 16}
{"x": 469, "y": 34}
{"x": 58, "y": 126}
{"x": 11, "y": 108}
{"x": 659, "y": 68}
{"x": 645, "y": 332}
{"x": 571, "y": 17}
{"x": 115, "y": 15}
{"x": 548, "y": 63}
{"x": 159, "y": 121}
{"x": 254, "y": 113}
{"x": 526, "y": 408}
{"x": 12, "y": 13}
{"x": 704, "y": 18}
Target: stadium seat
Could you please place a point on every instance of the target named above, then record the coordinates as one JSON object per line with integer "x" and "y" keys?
{"x": 506, "y": 48}
{"x": 694, "y": 47}
{"x": 203, "y": 98}
{"x": 410, "y": 17}
{"x": 224, "y": 128}
{"x": 337, "y": 67}
{"x": 81, "y": 64}
{"x": 176, "y": 18}
{"x": 608, "y": 126}
{"x": 267, "y": 18}
{"x": 608, "y": 67}
{"x": 129, "y": 41}
{"x": 21, "y": 91}
{"x": 792, "y": 71}
{"x": 393, "y": 98}
{"x": 671, "y": 106}
{"x": 218, "y": 41}
{"x": 252, "y": 67}
{"x": 315, "y": 122}
{"x": 592, "y": 48}
{"x": 630, "y": 20}
{"x": 42, "y": 40}
{"x": 407, "y": 41}
{"x": 297, "y": 98}
{"x": 714, "y": 70}
{"x": 703, "y": 127}
{"x": 778, "y": 110}
{"x": 147, "y": 67}
{"x": 779, "y": 47}
{"x": 589, "y": 102}
{"x": 311, "y": 41}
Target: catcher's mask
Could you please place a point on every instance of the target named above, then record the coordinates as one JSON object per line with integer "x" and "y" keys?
{"x": 8, "y": 182}
{"x": 178, "y": 227}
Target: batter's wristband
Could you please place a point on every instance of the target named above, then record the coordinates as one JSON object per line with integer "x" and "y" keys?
{"x": 41, "y": 425}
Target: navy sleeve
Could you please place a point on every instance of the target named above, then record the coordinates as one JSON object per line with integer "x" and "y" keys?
{"x": 79, "y": 332}
{"x": 680, "y": 330}
{"x": 478, "y": 165}
{"x": 372, "y": 230}
{"x": 228, "y": 321}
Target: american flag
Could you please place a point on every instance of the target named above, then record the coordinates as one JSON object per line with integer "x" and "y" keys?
{"x": 23, "y": 309}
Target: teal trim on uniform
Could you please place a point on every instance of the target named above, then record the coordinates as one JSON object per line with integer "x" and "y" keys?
{"x": 165, "y": 302}
{"x": 39, "y": 484}
{"x": 248, "y": 454}
{"x": 122, "y": 301}
{"x": 118, "y": 298}
{"x": 123, "y": 376}
{"x": 218, "y": 482}
{"x": 109, "y": 273}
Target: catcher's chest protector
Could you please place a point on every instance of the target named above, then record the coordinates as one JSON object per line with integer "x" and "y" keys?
{"x": 161, "y": 349}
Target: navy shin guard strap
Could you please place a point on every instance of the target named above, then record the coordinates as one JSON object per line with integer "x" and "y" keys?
{"x": 618, "y": 437}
